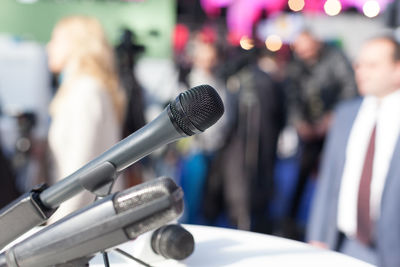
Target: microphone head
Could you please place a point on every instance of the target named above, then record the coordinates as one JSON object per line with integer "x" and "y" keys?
{"x": 196, "y": 109}
{"x": 145, "y": 193}
{"x": 172, "y": 242}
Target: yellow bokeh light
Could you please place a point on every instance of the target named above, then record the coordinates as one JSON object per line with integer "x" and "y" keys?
{"x": 371, "y": 8}
{"x": 296, "y": 5}
{"x": 273, "y": 43}
{"x": 246, "y": 43}
{"x": 332, "y": 7}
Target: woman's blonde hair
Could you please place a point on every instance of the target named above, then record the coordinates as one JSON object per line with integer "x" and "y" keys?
{"x": 91, "y": 55}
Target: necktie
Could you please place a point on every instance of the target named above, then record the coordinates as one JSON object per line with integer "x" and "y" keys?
{"x": 364, "y": 223}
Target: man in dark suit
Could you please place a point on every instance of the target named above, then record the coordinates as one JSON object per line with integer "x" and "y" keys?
{"x": 318, "y": 77}
{"x": 357, "y": 202}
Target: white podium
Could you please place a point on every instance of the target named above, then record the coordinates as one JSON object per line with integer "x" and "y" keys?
{"x": 227, "y": 247}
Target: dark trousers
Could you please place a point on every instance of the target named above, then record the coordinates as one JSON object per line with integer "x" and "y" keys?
{"x": 308, "y": 164}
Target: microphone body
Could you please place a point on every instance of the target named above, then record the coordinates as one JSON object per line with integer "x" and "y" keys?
{"x": 106, "y": 223}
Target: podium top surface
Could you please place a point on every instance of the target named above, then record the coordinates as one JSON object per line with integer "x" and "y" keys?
{"x": 228, "y": 247}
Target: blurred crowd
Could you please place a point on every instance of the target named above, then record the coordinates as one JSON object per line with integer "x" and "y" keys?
{"x": 279, "y": 110}
{"x": 227, "y": 172}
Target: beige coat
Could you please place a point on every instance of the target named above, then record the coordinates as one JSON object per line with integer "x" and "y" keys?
{"x": 83, "y": 126}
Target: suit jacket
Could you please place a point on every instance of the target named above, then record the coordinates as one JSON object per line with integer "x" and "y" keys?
{"x": 323, "y": 218}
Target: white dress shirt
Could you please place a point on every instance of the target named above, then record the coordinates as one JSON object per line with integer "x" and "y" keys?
{"x": 385, "y": 114}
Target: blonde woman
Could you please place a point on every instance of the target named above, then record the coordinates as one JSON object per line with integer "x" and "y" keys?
{"x": 88, "y": 108}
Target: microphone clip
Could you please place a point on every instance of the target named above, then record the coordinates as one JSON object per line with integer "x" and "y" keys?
{"x": 100, "y": 179}
{"x": 33, "y": 211}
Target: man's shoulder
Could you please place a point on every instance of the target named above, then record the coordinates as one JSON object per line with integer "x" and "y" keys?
{"x": 331, "y": 49}
{"x": 333, "y": 53}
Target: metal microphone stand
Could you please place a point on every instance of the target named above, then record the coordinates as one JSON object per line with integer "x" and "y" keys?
{"x": 100, "y": 193}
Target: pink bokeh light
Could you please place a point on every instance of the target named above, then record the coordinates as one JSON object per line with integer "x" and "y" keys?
{"x": 314, "y": 6}
{"x": 242, "y": 14}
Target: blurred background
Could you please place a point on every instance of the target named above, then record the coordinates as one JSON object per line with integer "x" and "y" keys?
{"x": 256, "y": 168}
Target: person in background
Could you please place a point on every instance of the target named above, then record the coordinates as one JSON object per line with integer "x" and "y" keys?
{"x": 201, "y": 150}
{"x": 8, "y": 189}
{"x": 355, "y": 208}
{"x": 317, "y": 79}
{"x": 127, "y": 52}
{"x": 240, "y": 182}
{"x": 88, "y": 108}
{"x": 206, "y": 57}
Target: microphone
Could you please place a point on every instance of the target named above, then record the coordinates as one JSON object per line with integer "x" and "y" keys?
{"x": 172, "y": 241}
{"x": 106, "y": 223}
{"x": 192, "y": 112}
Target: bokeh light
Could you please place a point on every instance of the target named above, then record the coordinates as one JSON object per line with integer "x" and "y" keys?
{"x": 273, "y": 42}
{"x": 332, "y": 7}
{"x": 246, "y": 43}
{"x": 371, "y": 8}
{"x": 296, "y": 5}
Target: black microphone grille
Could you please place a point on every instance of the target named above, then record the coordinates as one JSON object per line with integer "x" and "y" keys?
{"x": 197, "y": 109}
